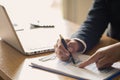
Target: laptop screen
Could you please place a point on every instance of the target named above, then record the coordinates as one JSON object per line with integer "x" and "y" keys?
{"x": 7, "y": 33}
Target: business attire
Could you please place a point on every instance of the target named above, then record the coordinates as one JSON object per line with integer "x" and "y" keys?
{"x": 102, "y": 13}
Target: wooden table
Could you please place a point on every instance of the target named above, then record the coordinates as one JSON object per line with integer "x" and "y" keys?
{"x": 13, "y": 65}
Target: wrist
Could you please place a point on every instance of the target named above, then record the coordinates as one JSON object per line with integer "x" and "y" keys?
{"x": 82, "y": 45}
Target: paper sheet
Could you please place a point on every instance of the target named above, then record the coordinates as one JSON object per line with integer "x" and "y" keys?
{"x": 90, "y": 72}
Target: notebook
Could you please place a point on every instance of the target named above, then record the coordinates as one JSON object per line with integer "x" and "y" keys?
{"x": 52, "y": 64}
{"x": 28, "y": 41}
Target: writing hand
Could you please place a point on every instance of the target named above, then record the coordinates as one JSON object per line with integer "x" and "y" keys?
{"x": 62, "y": 53}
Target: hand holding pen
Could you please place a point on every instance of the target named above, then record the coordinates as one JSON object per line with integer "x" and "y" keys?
{"x": 65, "y": 46}
{"x": 61, "y": 51}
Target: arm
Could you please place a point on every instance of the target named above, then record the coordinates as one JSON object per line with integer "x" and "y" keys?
{"x": 94, "y": 26}
{"x": 89, "y": 33}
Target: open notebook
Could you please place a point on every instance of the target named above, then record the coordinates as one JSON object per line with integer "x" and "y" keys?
{"x": 68, "y": 69}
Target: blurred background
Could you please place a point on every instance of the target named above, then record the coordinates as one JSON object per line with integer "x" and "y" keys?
{"x": 45, "y": 11}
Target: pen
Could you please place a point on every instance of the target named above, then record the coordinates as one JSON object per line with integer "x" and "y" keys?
{"x": 41, "y": 26}
{"x": 65, "y": 45}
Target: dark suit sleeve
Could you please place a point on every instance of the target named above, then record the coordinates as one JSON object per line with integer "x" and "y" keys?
{"x": 94, "y": 26}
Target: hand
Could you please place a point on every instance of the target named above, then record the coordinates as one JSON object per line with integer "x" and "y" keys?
{"x": 104, "y": 57}
{"x": 62, "y": 53}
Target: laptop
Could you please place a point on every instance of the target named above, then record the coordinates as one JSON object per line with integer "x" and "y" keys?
{"x": 28, "y": 41}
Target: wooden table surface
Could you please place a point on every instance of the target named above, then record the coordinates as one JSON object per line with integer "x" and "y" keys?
{"x": 15, "y": 66}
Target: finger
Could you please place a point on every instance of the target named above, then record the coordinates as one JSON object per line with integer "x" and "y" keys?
{"x": 64, "y": 58}
{"x": 83, "y": 64}
{"x": 60, "y": 54}
{"x": 55, "y": 46}
{"x": 61, "y": 47}
{"x": 67, "y": 40}
{"x": 60, "y": 50}
{"x": 90, "y": 60}
{"x": 87, "y": 62}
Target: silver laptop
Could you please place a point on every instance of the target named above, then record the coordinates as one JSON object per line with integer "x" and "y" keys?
{"x": 28, "y": 41}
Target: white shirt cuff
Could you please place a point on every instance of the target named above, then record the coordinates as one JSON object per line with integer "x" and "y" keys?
{"x": 84, "y": 44}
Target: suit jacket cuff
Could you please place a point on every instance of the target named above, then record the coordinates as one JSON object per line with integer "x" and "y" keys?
{"x": 83, "y": 43}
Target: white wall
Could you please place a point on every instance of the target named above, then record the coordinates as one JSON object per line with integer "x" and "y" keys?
{"x": 76, "y": 10}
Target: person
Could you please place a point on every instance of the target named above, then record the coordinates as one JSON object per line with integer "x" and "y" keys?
{"x": 104, "y": 15}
